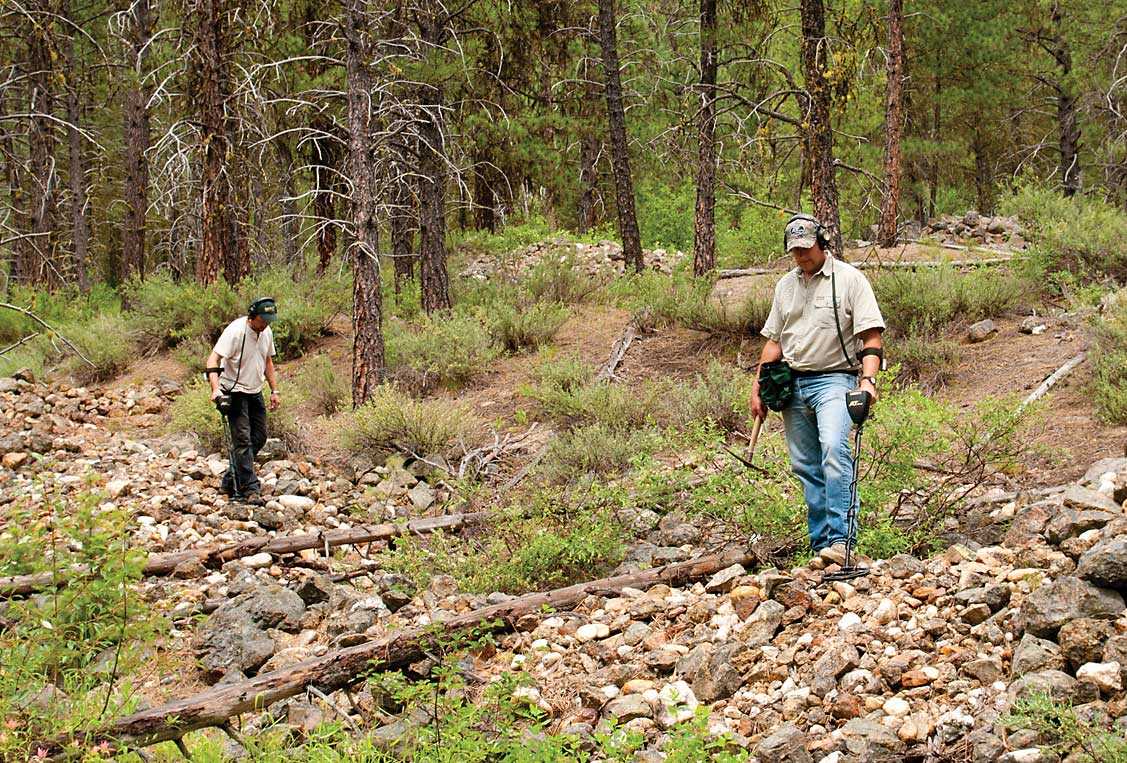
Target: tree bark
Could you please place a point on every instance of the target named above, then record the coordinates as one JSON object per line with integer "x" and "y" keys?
{"x": 893, "y": 103}
{"x": 324, "y": 157}
{"x": 139, "y": 31}
{"x": 936, "y": 113}
{"x": 345, "y": 667}
{"x": 212, "y": 91}
{"x": 22, "y": 255}
{"x": 41, "y": 177}
{"x": 620, "y": 153}
{"x": 818, "y": 140}
{"x": 433, "y": 279}
{"x": 287, "y": 201}
{"x": 367, "y": 310}
{"x": 402, "y": 230}
{"x": 80, "y": 236}
{"x": 588, "y": 180}
{"x": 704, "y": 229}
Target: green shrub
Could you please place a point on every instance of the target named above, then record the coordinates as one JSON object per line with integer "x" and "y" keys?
{"x": 719, "y": 396}
{"x": 307, "y": 306}
{"x": 108, "y": 341}
{"x": 167, "y": 311}
{"x": 925, "y": 360}
{"x": 443, "y": 351}
{"x": 1064, "y": 728}
{"x": 393, "y": 421}
{"x": 559, "y": 279}
{"x": 523, "y": 327}
{"x": 1109, "y": 362}
{"x": 321, "y": 385}
{"x": 1082, "y": 234}
{"x": 659, "y": 300}
{"x": 596, "y": 448}
{"x": 930, "y": 300}
{"x": 614, "y": 405}
{"x": 564, "y": 373}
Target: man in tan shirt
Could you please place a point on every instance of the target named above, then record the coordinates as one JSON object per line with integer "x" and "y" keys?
{"x": 824, "y": 324}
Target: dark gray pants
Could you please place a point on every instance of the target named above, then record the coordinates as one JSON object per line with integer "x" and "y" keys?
{"x": 248, "y": 429}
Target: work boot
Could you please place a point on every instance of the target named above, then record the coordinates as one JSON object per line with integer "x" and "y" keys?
{"x": 254, "y": 498}
{"x": 834, "y": 554}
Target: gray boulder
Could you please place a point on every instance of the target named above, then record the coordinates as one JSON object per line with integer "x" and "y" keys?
{"x": 1034, "y": 655}
{"x": 1070, "y": 523}
{"x": 1086, "y": 499}
{"x": 760, "y": 628}
{"x": 1066, "y": 599}
{"x": 711, "y": 670}
{"x": 871, "y": 741}
{"x": 1105, "y": 564}
{"x": 1082, "y": 641}
{"x": 786, "y": 745}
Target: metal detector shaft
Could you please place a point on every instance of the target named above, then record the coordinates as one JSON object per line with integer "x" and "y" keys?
{"x": 229, "y": 437}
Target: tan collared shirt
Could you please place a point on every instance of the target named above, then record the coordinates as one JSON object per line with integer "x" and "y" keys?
{"x": 243, "y": 352}
{"x": 802, "y": 317}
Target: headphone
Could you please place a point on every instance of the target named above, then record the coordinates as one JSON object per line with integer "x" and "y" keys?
{"x": 820, "y": 231}
{"x": 256, "y": 306}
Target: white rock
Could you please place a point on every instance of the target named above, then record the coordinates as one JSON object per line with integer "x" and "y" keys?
{"x": 592, "y": 631}
{"x": 885, "y": 611}
{"x": 897, "y": 707}
{"x": 833, "y": 757}
{"x": 296, "y": 502}
{"x": 258, "y": 561}
{"x": 531, "y": 695}
{"x": 678, "y": 704}
{"x": 118, "y": 488}
{"x": 1105, "y": 675}
{"x": 849, "y": 621}
{"x": 217, "y": 468}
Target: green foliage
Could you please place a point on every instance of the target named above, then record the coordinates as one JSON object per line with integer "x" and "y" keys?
{"x": 322, "y": 387}
{"x": 598, "y": 448}
{"x": 443, "y": 351}
{"x": 927, "y": 361}
{"x": 719, "y": 396}
{"x": 566, "y": 391}
{"x": 665, "y": 215}
{"x": 517, "y": 327}
{"x": 928, "y": 301}
{"x": 658, "y": 300}
{"x": 1063, "y": 728}
{"x": 393, "y": 421}
{"x": 109, "y": 341}
{"x": 1081, "y": 234}
{"x": 1109, "y": 362}
{"x": 560, "y": 279}
{"x": 78, "y": 636}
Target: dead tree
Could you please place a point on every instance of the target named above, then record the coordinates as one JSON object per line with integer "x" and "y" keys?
{"x": 890, "y": 193}
{"x": 620, "y": 153}
{"x": 80, "y": 237}
{"x": 41, "y": 176}
{"x": 137, "y": 24}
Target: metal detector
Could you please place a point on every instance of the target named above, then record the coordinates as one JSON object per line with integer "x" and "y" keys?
{"x": 223, "y": 405}
{"x": 857, "y": 403}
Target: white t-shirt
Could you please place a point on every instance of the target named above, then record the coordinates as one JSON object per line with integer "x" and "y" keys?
{"x": 243, "y": 353}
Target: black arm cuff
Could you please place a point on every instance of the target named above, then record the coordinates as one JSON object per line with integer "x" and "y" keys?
{"x": 871, "y": 351}
{"x": 207, "y": 372}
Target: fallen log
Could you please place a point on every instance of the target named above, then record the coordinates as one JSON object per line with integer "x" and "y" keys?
{"x": 618, "y": 351}
{"x": 345, "y": 667}
{"x": 215, "y": 556}
{"x": 1056, "y": 376}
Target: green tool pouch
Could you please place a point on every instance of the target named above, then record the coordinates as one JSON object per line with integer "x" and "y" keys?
{"x": 776, "y": 384}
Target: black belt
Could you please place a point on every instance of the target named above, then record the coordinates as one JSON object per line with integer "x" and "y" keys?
{"x": 807, "y": 374}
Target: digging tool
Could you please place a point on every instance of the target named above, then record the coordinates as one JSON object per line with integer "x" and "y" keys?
{"x": 747, "y": 461}
{"x": 857, "y": 403}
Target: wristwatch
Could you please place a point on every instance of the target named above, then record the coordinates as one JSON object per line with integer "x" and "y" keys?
{"x": 871, "y": 379}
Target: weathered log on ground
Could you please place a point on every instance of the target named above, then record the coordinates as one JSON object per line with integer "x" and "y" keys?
{"x": 215, "y": 556}
{"x": 1056, "y": 376}
{"x": 342, "y": 668}
{"x": 618, "y": 351}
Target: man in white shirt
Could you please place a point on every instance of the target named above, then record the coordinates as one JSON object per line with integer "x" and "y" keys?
{"x": 236, "y": 368}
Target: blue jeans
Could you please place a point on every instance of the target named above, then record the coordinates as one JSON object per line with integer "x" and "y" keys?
{"x": 817, "y": 426}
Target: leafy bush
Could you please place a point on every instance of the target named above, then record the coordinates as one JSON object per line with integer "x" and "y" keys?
{"x": 522, "y": 327}
{"x": 1063, "y": 728}
{"x": 437, "y": 352}
{"x": 109, "y": 341}
{"x": 925, "y": 360}
{"x": 561, "y": 280}
{"x": 1082, "y": 234}
{"x": 1109, "y": 362}
{"x": 658, "y": 300}
{"x": 614, "y": 405}
{"x": 927, "y": 302}
{"x": 393, "y": 421}
{"x": 321, "y": 385}
{"x": 596, "y": 448}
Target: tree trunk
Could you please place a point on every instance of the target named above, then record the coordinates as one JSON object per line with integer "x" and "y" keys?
{"x": 402, "y": 230}
{"x": 893, "y": 102}
{"x": 139, "y": 31}
{"x": 983, "y": 177}
{"x": 484, "y": 197}
{"x": 1067, "y": 125}
{"x": 620, "y": 154}
{"x": 433, "y": 280}
{"x": 22, "y": 255}
{"x": 818, "y": 140}
{"x": 77, "y": 171}
{"x": 367, "y": 316}
{"x": 288, "y": 204}
{"x": 41, "y": 177}
{"x": 588, "y": 179}
{"x": 212, "y": 90}
{"x": 324, "y": 157}
{"x": 236, "y": 266}
{"x": 933, "y": 169}
{"x": 704, "y": 229}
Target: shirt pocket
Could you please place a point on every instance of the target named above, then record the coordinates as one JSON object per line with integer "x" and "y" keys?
{"x": 824, "y": 310}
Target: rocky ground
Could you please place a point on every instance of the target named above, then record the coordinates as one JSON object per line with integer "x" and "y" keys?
{"x": 602, "y": 258}
{"x": 918, "y": 661}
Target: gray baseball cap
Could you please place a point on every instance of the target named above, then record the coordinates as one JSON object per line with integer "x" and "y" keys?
{"x": 800, "y": 234}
